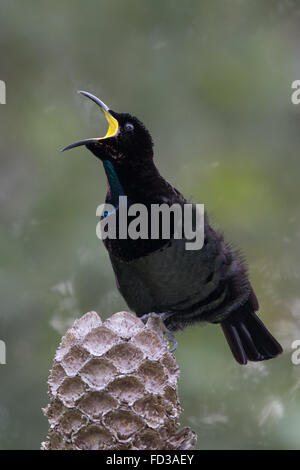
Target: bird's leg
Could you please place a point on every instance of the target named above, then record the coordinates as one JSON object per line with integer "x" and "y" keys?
{"x": 162, "y": 317}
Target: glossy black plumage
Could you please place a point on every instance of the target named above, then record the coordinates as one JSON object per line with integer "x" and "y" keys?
{"x": 161, "y": 276}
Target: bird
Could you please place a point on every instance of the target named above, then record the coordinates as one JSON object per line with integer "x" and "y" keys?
{"x": 159, "y": 276}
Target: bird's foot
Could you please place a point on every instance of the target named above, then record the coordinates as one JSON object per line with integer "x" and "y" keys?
{"x": 146, "y": 317}
{"x": 162, "y": 317}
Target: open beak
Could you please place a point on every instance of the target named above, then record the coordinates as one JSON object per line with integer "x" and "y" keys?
{"x": 113, "y": 125}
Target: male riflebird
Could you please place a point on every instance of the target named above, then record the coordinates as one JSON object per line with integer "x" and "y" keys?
{"x": 160, "y": 276}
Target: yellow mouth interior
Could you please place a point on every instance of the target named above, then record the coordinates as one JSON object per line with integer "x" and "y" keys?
{"x": 113, "y": 125}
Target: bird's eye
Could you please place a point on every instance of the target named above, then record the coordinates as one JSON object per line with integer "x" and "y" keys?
{"x": 128, "y": 126}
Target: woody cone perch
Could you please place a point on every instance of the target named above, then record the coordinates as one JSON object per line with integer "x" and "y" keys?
{"x": 113, "y": 385}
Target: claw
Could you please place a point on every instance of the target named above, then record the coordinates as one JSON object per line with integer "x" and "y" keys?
{"x": 171, "y": 338}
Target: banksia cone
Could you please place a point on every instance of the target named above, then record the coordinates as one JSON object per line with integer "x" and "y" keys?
{"x": 113, "y": 385}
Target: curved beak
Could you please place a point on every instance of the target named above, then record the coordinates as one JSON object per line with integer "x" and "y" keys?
{"x": 113, "y": 125}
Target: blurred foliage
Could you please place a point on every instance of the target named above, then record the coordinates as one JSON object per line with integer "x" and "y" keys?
{"x": 212, "y": 81}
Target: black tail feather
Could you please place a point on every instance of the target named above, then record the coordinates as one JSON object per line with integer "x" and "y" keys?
{"x": 248, "y": 338}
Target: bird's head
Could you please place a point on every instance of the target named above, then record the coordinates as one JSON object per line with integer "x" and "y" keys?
{"x": 126, "y": 140}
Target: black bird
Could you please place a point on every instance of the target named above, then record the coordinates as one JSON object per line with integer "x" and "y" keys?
{"x": 159, "y": 276}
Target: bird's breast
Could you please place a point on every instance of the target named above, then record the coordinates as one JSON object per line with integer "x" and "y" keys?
{"x": 169, "y": 276}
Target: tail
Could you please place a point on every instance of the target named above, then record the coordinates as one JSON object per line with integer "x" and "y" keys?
{"x": 248, "y": 338}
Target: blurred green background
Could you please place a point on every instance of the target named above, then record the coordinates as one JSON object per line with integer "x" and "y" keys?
{"x": 212, "y": 82}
